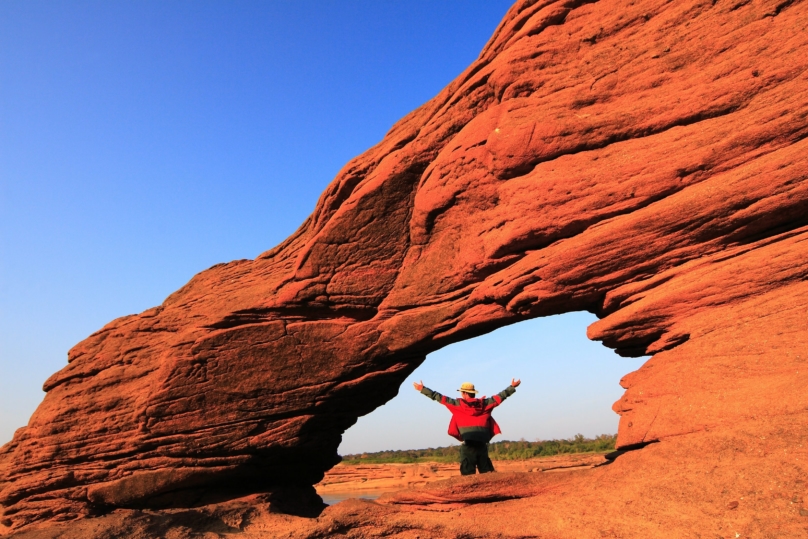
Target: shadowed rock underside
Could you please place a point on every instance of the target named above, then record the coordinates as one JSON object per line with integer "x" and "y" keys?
{"x": 645, "y": 161}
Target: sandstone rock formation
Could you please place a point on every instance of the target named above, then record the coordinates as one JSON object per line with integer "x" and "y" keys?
{"x": 643, "y": 160}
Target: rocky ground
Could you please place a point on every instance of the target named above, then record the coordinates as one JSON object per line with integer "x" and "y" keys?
{"x": 662, "y": 490}
{"x": 383, "y": 478}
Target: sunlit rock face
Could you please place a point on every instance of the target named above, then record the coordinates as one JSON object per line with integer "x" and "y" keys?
{"x": 642, "y": 160}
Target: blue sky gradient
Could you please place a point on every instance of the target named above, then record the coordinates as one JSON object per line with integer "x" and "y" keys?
{"x": 142, "y": 142}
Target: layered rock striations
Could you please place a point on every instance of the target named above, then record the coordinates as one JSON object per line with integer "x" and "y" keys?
{"x": 645, "y": 161}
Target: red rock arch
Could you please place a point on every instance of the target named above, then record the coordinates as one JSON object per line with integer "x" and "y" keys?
{"x": 644, "y": 161}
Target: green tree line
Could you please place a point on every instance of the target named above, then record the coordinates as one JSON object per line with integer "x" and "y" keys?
{"x": 505, "y": 450}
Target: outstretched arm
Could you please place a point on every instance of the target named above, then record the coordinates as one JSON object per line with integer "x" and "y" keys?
{"x": 504, "y": 394}
{"x": 434, "y": 395}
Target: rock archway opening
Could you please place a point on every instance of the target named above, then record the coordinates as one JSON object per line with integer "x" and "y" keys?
{"x": 569, "y": 384}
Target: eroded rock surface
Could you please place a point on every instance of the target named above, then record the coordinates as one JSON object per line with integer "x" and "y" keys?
{"x": 642, "y": 160}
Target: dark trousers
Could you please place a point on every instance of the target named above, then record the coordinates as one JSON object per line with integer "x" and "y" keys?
{"x": 473, "y": 457}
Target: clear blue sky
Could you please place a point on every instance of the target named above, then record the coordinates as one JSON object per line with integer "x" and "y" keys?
{"x": 144, "y": 141}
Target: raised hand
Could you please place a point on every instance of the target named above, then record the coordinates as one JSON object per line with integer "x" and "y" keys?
{"x": 515, "y": 382}
{"x": 418, "y": 385}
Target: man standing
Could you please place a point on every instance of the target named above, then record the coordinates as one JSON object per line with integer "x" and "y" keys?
{"x": 472, "y": 423}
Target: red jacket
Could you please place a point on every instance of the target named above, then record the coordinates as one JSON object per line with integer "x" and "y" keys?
{"x": 471, "y": 418}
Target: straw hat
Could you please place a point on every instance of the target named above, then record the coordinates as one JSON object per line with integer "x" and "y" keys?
{"x": 467, "y": 387}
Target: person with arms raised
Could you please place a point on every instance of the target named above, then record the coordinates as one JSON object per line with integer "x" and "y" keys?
{"x": 472, "y": 423}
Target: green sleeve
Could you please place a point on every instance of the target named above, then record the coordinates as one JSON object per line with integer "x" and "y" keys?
{"x": 437, "y": 397}
{"x": 504, "y": 394}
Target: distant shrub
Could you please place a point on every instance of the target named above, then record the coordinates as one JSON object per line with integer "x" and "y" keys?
{"x": 505, "y": 450}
